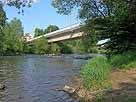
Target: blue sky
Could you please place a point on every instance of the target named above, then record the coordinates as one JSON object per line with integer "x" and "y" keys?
{"x": 40, "y": 15}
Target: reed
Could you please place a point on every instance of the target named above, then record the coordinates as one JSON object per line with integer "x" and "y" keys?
{"x": 95, "y": 72}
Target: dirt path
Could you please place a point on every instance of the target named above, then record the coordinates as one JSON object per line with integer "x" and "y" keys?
{"x": 123, "y": 87}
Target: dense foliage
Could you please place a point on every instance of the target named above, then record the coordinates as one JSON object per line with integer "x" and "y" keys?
{"x": 104, "y": 19}
{"x": 80, "y": 46}
{"x": 40, "y": 46}
{"x": 17, "y": 3}
{"x": 49, "y": 29}
{"x": 109, "y": 19}
{"x": 55, "y": 49}
{"x": 10, "y": 35}
{"x": 38, "y": 32}
{"x": 2, "y": 23}
{"x": 13, "y": 42}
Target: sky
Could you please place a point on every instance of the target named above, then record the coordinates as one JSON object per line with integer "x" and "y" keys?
{"x": 40, "y": 15}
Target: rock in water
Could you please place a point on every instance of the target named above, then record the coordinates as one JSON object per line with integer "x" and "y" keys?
{"x": 69, "y": 89}
{"x": 2, "y": 87}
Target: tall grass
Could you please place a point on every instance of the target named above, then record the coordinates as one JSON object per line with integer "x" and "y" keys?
{"x": 124, "y": 61}
{"x": 95, "y": 72}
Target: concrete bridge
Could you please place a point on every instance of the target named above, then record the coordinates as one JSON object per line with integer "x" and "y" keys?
{"x": 66, "y": 33}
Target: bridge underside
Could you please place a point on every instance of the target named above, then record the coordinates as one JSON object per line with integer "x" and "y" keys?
{"x": 67, "y": 33}
{"x": 63, "y": 37}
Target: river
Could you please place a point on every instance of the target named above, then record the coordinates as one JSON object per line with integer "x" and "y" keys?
{"x": 33, "y": 78}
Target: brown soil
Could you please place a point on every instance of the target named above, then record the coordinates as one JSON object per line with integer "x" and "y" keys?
{"x": 123, "y": 88}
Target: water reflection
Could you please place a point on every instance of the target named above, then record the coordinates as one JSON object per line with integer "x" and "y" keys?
{"x": 33, "y": 78}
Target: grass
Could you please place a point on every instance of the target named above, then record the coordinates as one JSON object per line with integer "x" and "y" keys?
{"x": 95, "y": 72}
{"x": 124, "y": 61}
{"x": 131, "y": 100}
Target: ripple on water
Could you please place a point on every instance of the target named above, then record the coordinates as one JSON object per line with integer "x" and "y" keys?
{"x": 34, "y": 78}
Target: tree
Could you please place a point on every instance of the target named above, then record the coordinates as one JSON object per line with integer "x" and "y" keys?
{"x": 86, "y": 8}
{"x": 80, "y": 46}
{"x": 114, "y": 20}
{"x": 38, "y": 32}
{"x": 51, "y": 28}
{"x": 64, "y": 48}
{"x": 55, "y": 48}
{"x": 17, "y": 27}
{"x": 40, "y": 46}
{"x": 2, "y": 23}
{"x": 119, "y": 28}
{"x": 13, "y": 32}
{"x": 17, "y": 3}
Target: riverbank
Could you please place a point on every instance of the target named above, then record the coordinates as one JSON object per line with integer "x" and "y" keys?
{"x": 102, "y": 77}
{"x": 122, "y": 88}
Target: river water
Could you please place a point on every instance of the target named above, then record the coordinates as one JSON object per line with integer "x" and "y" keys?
{"x": 34, "y": 78}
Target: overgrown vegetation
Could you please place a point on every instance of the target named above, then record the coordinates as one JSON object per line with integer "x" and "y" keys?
{"x": 11, "y": 41}
{"x": 98, "y": 69}
{"x": 105, "y": 19}
{"x": 114, "y": 20}
{"x": 123, "y": 61}
{"x": 50, "y": 28}
{"x": 95, "y": 72}
{"x": 131, "y": 100}
{"x": 55, "y": 49}
{"x": 40, "y": 46}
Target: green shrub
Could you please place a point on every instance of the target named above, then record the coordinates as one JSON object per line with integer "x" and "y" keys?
{"x": 55, "y": 49}
{"x": 131, "y": 100}
{"x": 124, "y": 61}
{"x": 95, "y": 72}
{"x": 130, "y": 65}
{"x": 40, "y": 46}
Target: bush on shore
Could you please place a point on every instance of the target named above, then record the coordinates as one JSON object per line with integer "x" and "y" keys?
{"x": 95, "y": 72}
{"x": 123, "y": 61}
{"x": 98, "y": 69}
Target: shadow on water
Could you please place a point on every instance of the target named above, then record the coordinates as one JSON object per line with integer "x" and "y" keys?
{"x": 33, "y": 78}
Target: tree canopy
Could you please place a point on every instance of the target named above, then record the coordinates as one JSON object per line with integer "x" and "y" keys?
{"x": 114, "y": 20}
{"x": 38, "y": 32}
{"x": 17, "y": 3}
{"x": 51, "y": 28}
{"x": 2, "y": 23}
{"x": 17, "y": 27}
{"x": 40, "y": 46}
{"x": 13, "y": 32}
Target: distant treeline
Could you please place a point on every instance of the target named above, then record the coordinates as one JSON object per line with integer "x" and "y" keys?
{"x": 13, "y": 43}
{"x": 41, "y": 46}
